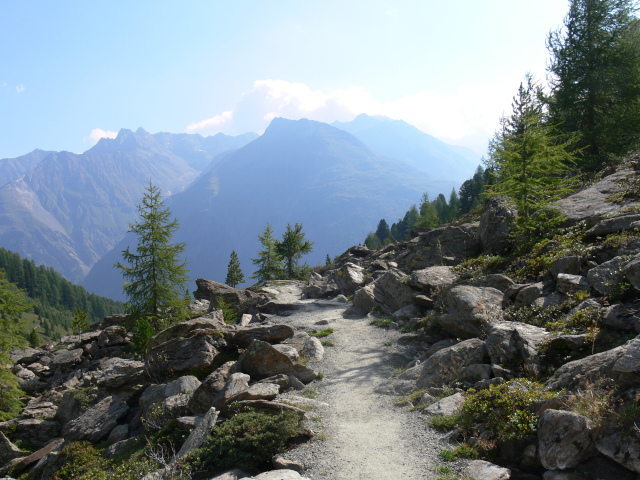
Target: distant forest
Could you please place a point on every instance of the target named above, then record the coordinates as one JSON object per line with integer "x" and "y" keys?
{"x": 56, "y": 299}
{"x": 432, "y": 213}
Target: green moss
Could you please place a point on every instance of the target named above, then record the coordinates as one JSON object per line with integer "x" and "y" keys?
{"x": 381, "y": 322}
{"x": 322, "y": 333}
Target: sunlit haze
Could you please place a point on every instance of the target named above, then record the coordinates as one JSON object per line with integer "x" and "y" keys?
{"x": 73, "y": 72}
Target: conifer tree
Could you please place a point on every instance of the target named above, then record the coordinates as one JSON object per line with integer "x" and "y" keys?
{"x": 80, "y": 323}
{"x": 234, "y": 273}
{"x": 13, "y": 302}
{"x": 292, "y": 247}
{"x": 269, "y": 262}
{"x": 528, "y": 158}
{"x": 595, "y": 77}
{"x": 155, "y": 277}
{"x": 383, "y": 231}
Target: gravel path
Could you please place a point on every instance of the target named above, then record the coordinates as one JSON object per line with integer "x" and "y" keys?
{"x": 360, "y": 433}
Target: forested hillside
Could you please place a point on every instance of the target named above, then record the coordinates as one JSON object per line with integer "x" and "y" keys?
{"x": 56, "y": 299}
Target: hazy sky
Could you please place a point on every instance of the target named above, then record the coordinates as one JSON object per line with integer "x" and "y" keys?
{"x": 71, "y": 72}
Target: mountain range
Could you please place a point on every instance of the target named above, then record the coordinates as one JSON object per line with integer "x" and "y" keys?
{"x": 71, "y": 211}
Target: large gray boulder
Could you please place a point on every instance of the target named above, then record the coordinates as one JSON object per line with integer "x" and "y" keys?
{"x": 67, "y": 358}
{"x": 591, "y": 203}
{"x": 236, "y": 383}
{"x": 9, "y": 451}
{"x": 446, "y": 365}
{"x": 194, "y": 354}
{"x": 158, "y": 393}
{"x": 615, "y": 224}
{"x": 112, "y": 336}
{"x": 605, "y": 277}
{"x": 212, "y": 323}
{"x": 496, "y": 225}
{"x": 510, "y": 342}
{"x": 564, "y": 439}
{"x": 262, "y": 360}
{"x": 348, "y": 278}
{"x": 96, "y": 423}
{"x": 447, "y": 406}
{"x": 33, "y": 431}
{"x": 448, "y": 245}
{"x": 212, "y": 291}
{"x": 390, "y": 291}
{"x": 118, "y": 372}
{"x": 199, "y": 435}
{"x": 621, "y": 448}
{"x": 266, "y": 333}
{"x": 204, "y": 396}
{"x": 632, "y": 271}
{"x": 472, "y": 311}
{"x": 483, "y": 470}
{"x": 432, "y": 280}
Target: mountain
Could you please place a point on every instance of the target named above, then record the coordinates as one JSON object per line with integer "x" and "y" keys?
{"x": 399, "y": 140}
{"x": 297, "y": 172}
{"x": 13, "y": 168}
{"x": 71, "y": 209}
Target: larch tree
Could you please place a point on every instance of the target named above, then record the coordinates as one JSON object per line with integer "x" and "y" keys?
{"x": 292, "y": 247}
{"x": 528, "y": 158}
{"x": 269, "y": 262}
{"x": 234, "y": 273}
{"x": 155, "y": 276}
{"x": 13, "y": 302}
{"x": 595, "y": 77}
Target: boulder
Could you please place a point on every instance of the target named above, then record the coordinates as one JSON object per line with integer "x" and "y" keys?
{"x": 390, "y": 290}
{"x": 236, "y": 383}
{"x": 496, "y": 225}
{"x": 364, "y": 300}
{"x": 447, "y": 406}
{"x": 205, "y": 394}
{"x": 212, "y": 291}
{"x": 195, "y": 354}
{"x": 514, "y": 342}
{"x": 432, "y": 280}
{"x": 567, "y": 283}
{"x": 266, "y": 333}
{"x": 472, "y": 310}
{"x": 199, "y": 436}
{"x": 529, "y": 293}
{"x": 348, "y": 278}
{"x": 112, "y": 336}
{"x": 632, "y": 271}
{"x": 285, "y": 474}
{"x": 590, "y": 204}
{"x": 97, "y": 422}
{"x": 621, "y": 448}
{"x": 610, "y": 225}
{"x": 607, "y": 275}
{"x": 447, "y": 245}
{"x": 320, "y": 286}
{"x": 32, "y": 431}
{"x": 9, "y": 451}
{"x": 483, "y": 470}
{"x": 571, "y": 264}
{"x": 257, "y": 391}
{"x": 212, "y": 324}
{"x": 623, "y": 317}
{"x": 117, "y": 372}
{"x": 564, "y": 439}
{"x": 597, "y": 369}
{"x": 313, "y": 350}
{"x": 498, "y": 281}
{"x": 119, "y": 433}
{"x": 446, "y": 365}
{"x": 67, "y": 358}
{"x": 34, "y": 458}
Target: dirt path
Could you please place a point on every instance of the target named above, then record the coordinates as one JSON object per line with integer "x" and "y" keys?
{"x": 362, "y": 434}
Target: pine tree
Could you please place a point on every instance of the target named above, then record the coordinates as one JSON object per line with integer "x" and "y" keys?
{"x": 234, "y": 274}
{"x": 595, "y": 77}
{"x": 528, "y": 158}
{"x": 292, "y": 247}
{"x": 34, "y": 341}
{"x": 383, "y": 231}
{"x": 268, "y": 261}
{"x": 80, "y": 323}
{"x": 13, "y": 302}
{"x": 155, "y": 278}
{"x": 328, "y": 262}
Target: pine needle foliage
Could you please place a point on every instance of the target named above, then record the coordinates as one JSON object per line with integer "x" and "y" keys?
{"x": 292, "y": 247}
{"x": 155, "y": 278}
{"x": 269, "y": 262}
{"x": 234, "y": 273}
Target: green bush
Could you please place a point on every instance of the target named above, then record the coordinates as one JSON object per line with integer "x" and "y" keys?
{"x": 10, "y": 393}
{"x": 322, "y": 333}
{"x": 249, "y": 440}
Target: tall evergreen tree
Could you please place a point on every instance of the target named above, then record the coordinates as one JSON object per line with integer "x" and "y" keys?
{"x": 155, "y": 277}
{"x": 13, "y": 302}
{"x": 527, "y": 157}
{"x": 595, "y": 77}
{"x": 234, "y": 273}
{"x": 80, "y": 323}
{"x": 383, "y": 231}
{"x": 292, "y": 247}
{"x": 269, "y": 262}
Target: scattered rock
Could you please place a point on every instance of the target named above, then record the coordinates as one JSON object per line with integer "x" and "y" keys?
{"x": 265, "y": 333}
{"x": 96, "y": 423}
{"x": 606, "y": 276}
{"x": 482, "y": 470}
{"x": 564, "y": 439}
{"x": 447, "y": 406}
{"x": 199, "y": 436}
{"x": 472, "y": 310}
{"x": 496, "y": 225}
{"x": 432, "y": 280}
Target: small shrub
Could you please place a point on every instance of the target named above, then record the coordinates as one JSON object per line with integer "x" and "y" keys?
{"x": 410, "y": 399}
{"x": 481, "y": 265}
{"x": 10, "y": 393}
{"x": 461, "y": 451}
{"x": 229, "y": 313}
{"x": 381, "y": 322}
{"x": 309, "y": 393}
{"x": 249, "y": 440}
{"x": 322, "y": 333}
{"x": 328, "y": 343}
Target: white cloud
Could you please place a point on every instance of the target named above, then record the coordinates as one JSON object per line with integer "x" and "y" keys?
{"x": 467, "y": 116}
{"x": 211, "y": 125}
{"x": 98, "y": 133}
{"x": 20, "y": 88}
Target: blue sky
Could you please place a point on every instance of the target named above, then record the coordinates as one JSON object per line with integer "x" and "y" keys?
{"x": 71, "y": 72}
